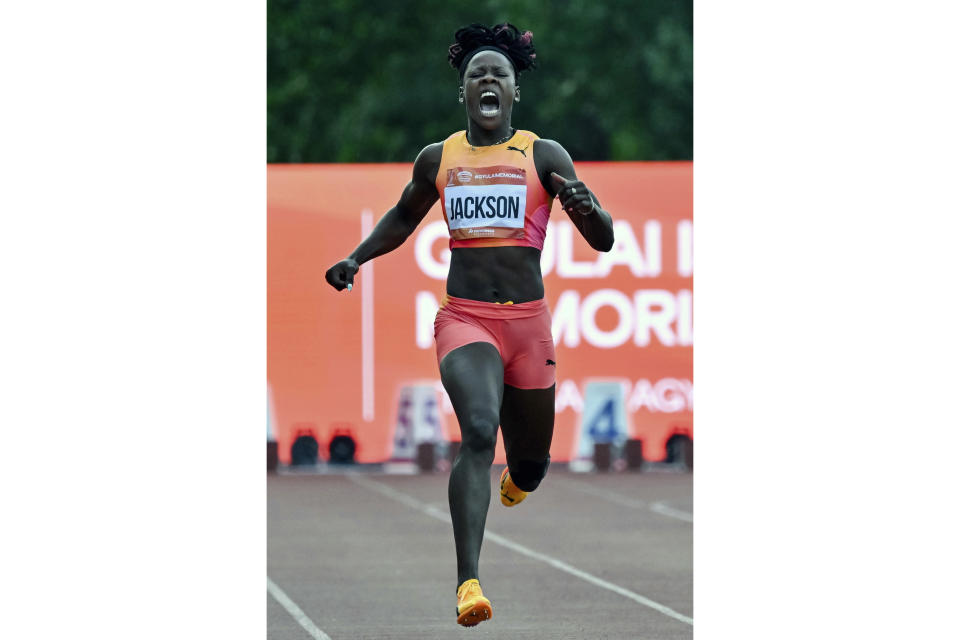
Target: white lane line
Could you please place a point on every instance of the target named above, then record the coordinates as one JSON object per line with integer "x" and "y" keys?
{"x": 665, "y": 510}
{"x": 366, "y": 321}
{"x": 657, "y": 507}
{"x": 295, "y": 611}
{"x": 444, "y": 516}
{"x": 591, "y": 490}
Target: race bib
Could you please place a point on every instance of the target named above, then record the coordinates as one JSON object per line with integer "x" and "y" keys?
{"x": 486, "y": 202}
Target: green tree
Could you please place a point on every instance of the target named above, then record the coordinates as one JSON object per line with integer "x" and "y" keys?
{"x": 351, "y": 81}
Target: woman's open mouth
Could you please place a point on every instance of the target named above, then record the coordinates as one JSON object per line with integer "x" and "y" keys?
{"x": 489, "y": 104}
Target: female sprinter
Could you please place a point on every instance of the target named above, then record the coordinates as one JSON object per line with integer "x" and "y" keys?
{"x": 497, "y": 362}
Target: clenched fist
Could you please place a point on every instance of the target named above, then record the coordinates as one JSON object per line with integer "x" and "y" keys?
{"x": 573, "y": 194}
{"x": 340, "y": 275}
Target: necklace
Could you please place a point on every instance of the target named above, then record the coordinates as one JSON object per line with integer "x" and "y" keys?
{"x": 473, "y": 147}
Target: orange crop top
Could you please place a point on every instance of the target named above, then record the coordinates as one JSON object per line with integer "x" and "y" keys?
{"x": 492, "y": 196}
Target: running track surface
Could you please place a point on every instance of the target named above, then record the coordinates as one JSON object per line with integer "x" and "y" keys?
{"x": 585, "y": 556}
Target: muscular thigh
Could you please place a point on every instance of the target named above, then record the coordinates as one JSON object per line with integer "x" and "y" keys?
{"x": 473, "y": 378}
{"x": 526, "y": 421}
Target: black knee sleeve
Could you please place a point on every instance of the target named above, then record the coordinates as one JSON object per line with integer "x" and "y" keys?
{"x": 527, "y": 474}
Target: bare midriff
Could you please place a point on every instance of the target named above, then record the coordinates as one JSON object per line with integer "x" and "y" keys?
{"x": 495, "y": 274}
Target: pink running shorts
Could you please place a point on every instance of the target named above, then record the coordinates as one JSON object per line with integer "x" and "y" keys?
{"x": 520, "y": 332}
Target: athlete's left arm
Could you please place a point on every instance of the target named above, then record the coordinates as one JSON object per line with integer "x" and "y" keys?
{"x": 558, "y": 177}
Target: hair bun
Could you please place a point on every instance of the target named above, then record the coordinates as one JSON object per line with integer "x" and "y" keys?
{"x": 516, "y": 45}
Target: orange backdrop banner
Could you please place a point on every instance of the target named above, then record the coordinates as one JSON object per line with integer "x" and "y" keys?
{"x": 338, "y": 360}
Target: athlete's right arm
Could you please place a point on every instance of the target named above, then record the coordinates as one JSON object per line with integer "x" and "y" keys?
{"x": 399, "y": 222}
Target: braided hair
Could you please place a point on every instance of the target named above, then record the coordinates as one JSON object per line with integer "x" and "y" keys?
{"x": 505, "y": 38}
